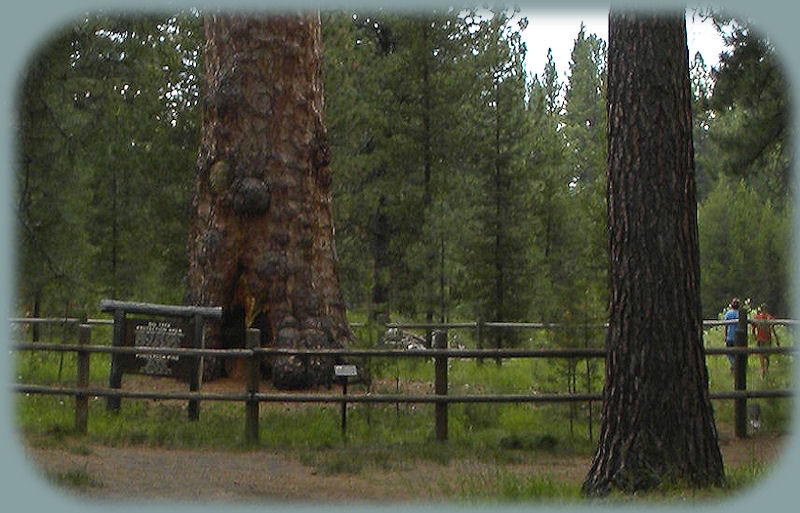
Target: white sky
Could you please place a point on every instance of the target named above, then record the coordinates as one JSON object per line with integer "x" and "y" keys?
{"x": 558, "y": 30}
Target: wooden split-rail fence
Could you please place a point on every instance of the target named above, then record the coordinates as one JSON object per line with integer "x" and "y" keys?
{"x": 253, "y": 353}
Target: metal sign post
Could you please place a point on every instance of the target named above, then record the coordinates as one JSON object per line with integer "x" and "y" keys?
{"x": 343, "y": 373}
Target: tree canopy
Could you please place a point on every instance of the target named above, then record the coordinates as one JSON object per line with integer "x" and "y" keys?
{"x": 463, "y": 186}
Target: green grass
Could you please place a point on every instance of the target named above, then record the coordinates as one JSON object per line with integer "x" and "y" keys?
{"x": 389, "y": 436}
{"x": 737, "y": 481}
{"x": 561, "y": 427}
{"x": 138, "y": 422}
{"x": 51, "y": 368}
{"x": 742, "y": 477}
{"x": 776, "y": 414}
{"x": 497, "y": 485}
{"x": 76, "y": 478}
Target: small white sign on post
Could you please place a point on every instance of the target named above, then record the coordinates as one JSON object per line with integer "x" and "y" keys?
{"x": 344, "y": 371}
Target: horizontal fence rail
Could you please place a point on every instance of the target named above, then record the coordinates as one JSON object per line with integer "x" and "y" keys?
{"x": 758, "y": 322}
{"x": 368, "y": 398}
{"x": 58, "y": 320}
{"x": 420, "y": 325}
{"x": 548, "y": 325}
{"x": 440, "y": 354}
{"x": 578, "y": 352}
{"x": 111, "y": 305}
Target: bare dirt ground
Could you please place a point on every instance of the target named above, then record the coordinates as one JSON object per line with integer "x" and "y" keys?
{"x": 143, "y": 473}
{"x": 135, "y": 473}
{"x": 146, "y": 473}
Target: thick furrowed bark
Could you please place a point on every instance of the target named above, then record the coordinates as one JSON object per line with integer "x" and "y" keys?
{"x": 262, "y": 233}
{"x": 657, "y": 419}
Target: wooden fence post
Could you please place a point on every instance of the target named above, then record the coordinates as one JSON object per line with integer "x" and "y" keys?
{"x": 344, "y": 408}
{"x": 115, "y": 374}
{"x": 253, "y": 368}
{"x": 196, "y": 372}
{"x": 81, "y": 400}
{"x": 740, "y": 375}
{"x": 440, "y": 385}
{"x": 479, "y": 337}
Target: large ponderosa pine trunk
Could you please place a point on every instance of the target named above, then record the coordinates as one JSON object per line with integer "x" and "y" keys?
{"x": 262, "y": 243}
{"x": 657, "y": 423}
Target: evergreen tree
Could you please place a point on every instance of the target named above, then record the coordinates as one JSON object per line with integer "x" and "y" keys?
{"x": 353, "y": 63}
{"x": 499, "y": 246}
{"x": 578, "y": 267}
{"x": 550, "y": 202}
{"x": 51, "y": 198}
{"x": 399, "y": 154}
{"x": 425, "y": 91}
{"x": 744, "y": 248}
{"x": 702, "y": 117}
{"x": 585, "y": 113}
{"x": 751, "y": 105}
{"x": 261, "y": 240}
{"x": 113, "y": 98}
{"x": 744, "y": 157}
{"x": 657, "y": 423}
{"x": 109, "y": 125}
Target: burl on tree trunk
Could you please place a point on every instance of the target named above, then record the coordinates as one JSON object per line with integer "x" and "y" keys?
{"x": 262, "y": 239}
{"x": 657, "y": 423}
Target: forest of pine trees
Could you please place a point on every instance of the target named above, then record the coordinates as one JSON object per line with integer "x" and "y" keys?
{"x": 463, "y": 187}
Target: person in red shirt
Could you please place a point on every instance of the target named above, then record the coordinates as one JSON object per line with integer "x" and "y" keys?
{"x": 764, "y": 332}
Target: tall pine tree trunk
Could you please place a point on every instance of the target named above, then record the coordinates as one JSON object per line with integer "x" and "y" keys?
{"x": 498, "y": 225}
{"x": 427, "y": 194}
{"x": 381, "y": 263}
{"x": 657, "y": 421}
{"x": 262, "y": 243}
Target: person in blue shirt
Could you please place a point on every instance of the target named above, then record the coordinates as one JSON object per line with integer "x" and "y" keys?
{"x": 730, "y": 329}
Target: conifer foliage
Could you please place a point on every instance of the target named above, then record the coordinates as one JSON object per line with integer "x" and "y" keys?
{"x": 462, "y": 186}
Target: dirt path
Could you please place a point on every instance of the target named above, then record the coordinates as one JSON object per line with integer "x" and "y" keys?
{"x": 210, "y": 475}
{"x": 143, "y": 473}
{"x": 206, "y": 475}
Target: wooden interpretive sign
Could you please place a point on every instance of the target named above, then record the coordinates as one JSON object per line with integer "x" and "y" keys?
{"x": 156, "y": 333}
{"x": 178, "y": 326}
